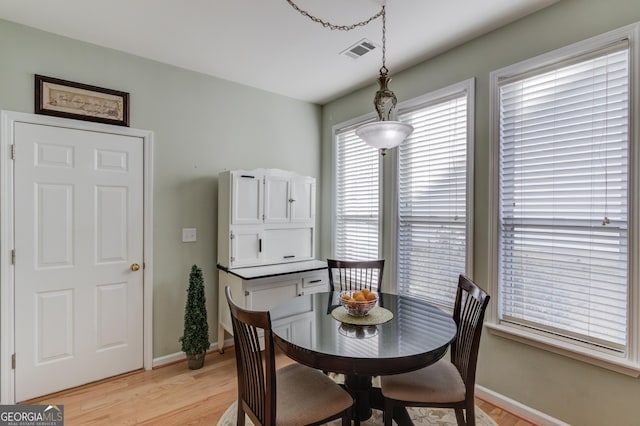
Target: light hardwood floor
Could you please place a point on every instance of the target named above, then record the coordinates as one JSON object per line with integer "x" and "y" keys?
{"x": 175, "y": 395}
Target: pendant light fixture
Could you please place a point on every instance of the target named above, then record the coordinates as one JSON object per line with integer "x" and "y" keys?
{"x": 386, "y": 132}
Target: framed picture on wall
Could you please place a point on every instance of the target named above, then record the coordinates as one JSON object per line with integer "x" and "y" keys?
{"x": 68, "y": 99}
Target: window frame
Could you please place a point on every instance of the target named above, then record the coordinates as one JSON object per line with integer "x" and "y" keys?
{"x": 628, "y": 364}
{"x": 433, "y": 97}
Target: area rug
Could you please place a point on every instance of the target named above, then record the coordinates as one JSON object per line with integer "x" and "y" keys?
{"x": 420, "y": 417}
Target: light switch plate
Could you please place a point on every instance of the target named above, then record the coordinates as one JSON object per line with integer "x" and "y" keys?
{"x": 189, "y": 235}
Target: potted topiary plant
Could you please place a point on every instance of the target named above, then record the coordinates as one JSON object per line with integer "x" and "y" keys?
{"x": 195, "y": 341}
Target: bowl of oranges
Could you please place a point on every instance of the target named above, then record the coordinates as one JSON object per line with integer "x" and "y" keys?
{"x": 358, "y": 303}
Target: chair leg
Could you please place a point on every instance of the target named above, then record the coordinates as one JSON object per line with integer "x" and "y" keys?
{"x": 471, "y": 412}
{"x": 460, "y": 416}
{"x": 346, "y": 418}
{"x": 240, "y": 416}
{"x": 388, "y": 412}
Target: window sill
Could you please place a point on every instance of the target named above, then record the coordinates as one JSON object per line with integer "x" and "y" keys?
{"x": 591, "y": 356}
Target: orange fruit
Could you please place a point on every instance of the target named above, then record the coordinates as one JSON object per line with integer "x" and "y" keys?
{"x": 356, "y": 294}
{"x": 365, "y": 291}
{"x": 346, "y": 297}
{"x": 370, "y": 296}
{"x": 359, "y": 298}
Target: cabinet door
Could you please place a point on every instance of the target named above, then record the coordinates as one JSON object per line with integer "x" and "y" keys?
{"x": 303, "y": 199}
{"x": 276, "y": 199}
{"x": 302, "y": 331}
{"x": 246, "y": 247}
{"x": 287, "y": 245}
{"x": 246, "y": 198}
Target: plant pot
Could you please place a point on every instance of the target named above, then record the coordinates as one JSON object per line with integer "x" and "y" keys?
{"x": 195, "y": 361}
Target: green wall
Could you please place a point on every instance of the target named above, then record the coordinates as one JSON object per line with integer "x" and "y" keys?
{"x": 573, "y": 391}
{"x": 202, "y": 126}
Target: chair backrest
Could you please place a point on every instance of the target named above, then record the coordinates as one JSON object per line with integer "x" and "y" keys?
{"x": 468, "y": 313}
{"x": 355, "y": 274}
{"x": 256, "y": 377}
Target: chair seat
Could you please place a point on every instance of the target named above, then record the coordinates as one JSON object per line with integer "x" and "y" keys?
{"x": 437, "y": 383}
{"x": 305, "y": 396}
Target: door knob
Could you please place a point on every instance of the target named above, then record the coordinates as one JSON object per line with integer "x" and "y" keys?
{"x": 135, "y": 267}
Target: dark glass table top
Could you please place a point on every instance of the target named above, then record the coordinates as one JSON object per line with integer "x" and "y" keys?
{"x": 418, "y": 335}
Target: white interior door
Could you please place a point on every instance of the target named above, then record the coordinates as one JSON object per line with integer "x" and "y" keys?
{"x": 78, "y": 200}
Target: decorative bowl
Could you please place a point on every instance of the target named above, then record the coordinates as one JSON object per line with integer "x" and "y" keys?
{"x": 357, "y": 308}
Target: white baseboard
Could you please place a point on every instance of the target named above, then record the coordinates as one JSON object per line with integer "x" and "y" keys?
{"x": 179, "y": 356}
{"x": 518, "y": 408}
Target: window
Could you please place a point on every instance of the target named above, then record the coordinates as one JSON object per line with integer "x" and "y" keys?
{"x": 357, "y": 197}
{"x": 433, "y": 231}
{"x": 563, "y": 234}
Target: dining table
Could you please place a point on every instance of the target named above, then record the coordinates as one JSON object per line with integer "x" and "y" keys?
{"x": 414, "y": 334}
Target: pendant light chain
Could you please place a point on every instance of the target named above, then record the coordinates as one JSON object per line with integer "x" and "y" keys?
{"x": 384, "y": 69}
{"x": 333, "y": 26}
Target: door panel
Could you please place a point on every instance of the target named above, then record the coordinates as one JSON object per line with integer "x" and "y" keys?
{"x": 246, "y": 247}
{"x": 303, "y": 195}
{"x": 54, "y": 326}
{"x": 111, "y": 208}
{"x": 276, "y": 199}
{"x": 78, "y": 228}
{"x": 111, "y": 315}
{"x": 246, "y": 198}
{"x": 54, "y": 235}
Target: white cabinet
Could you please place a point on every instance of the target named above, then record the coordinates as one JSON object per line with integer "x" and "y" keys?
{"x": 265, "y": 216}
{"x": 261, "y": 288}
{"x": 266, "y": 232}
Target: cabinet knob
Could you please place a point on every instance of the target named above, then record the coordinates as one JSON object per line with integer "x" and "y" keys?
{"x": 291, "y": 200}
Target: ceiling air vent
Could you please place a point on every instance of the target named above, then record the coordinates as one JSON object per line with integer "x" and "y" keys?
{"x": 359, "y": 49}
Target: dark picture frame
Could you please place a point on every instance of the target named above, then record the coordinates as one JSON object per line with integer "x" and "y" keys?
{"x": 62, "y": 98}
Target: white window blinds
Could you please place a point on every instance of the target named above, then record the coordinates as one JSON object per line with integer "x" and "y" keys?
{"x": 432, "y": 200}
{"x": 357, "y": 198}
{"x": 563, "y": 198}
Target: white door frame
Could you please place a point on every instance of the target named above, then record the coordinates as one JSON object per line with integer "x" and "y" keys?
{"x": 7, "y": 324}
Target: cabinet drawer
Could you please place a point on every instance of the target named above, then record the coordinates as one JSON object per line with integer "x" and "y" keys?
{"x": 265, "y": 297}
{"x": 316, "y": 280}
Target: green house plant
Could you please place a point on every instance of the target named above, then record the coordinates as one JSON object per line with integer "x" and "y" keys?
{"x": 195, "y": 341}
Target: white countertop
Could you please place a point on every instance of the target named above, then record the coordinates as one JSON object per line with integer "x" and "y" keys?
{"x": 254, "y": 272}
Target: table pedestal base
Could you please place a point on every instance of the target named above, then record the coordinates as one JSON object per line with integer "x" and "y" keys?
{"x": 360, "y": 388}
{"x": 368, "y": 398}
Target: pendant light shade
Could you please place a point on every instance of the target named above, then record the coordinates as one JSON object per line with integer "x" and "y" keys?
{"x": 384, "y": 134}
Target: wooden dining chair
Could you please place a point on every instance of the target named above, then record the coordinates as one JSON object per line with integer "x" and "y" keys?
{"x": 446, "y": 384}
{"x": 291, "y": 396}
{"x": 355, "y": 274}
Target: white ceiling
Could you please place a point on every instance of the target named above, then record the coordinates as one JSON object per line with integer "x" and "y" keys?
{"x": 267, "y": 44}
